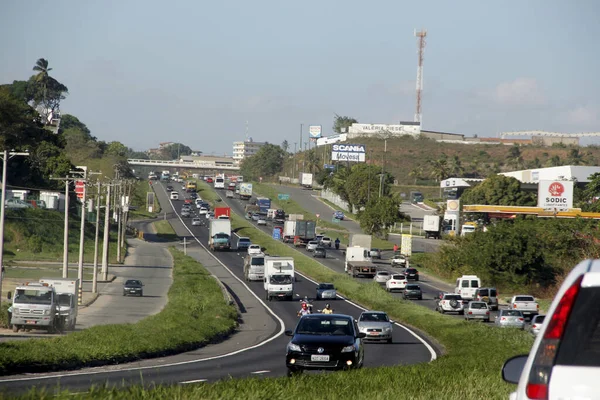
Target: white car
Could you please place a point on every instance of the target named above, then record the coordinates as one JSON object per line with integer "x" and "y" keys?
{"x": 174, "y": 196}
{"x": 399, "y": 260}
{"x": 261, "y": 221}
{"x": 209, "y": 215}
{"x": 382, "y": 276}
{"x": 196, "y": 222}
{"x": 326, "y": 241}
{"x": 563, "y": 362}
{"x": 254, "y": 249}
{"x": 312, "y": 245}
{"x": 396, "y": 282}
{"x": 203, "y": 211}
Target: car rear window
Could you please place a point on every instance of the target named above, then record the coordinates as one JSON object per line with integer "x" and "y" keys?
{"x": 453, "y": 297}
{"x": 483, "y": 292}
{"x": 524, "y": 298}
{"x": 474, "y": 283}
{"x": 478, "y": 305}
{"x": 399, "y": 277}
{"x": 411, "y": 270}
{"x": 580, "y": 345}
{"x": 493, "y": 293}
{"x": 413, "y": 287}
{"x": 257, "y": 261}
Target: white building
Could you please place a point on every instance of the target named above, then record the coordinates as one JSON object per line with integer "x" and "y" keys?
{"x": 245, "y": 149}
{"x": 404, "y": 128}
{"x": 566, "y": 172}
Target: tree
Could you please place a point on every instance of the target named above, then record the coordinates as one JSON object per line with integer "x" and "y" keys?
{"x": 379, "y": 214}
{"x": 117, "y": 149}
{"x": 362, "y": 184}
{"x": 68, "y": 121}
{"x": 267, "y": 161}
{"x": 285, "y": 146}
{"x": 455, "y": 166}
{"x": 341, "y": 124}
{"x": 47, "y": 92}
{"x": 42, "y": 77}
{"x": 440, "y": 169}
{"x": 499, "y": 190}
{"x": 174, "y": 151}
{"x": 416, "y": 173}
{"x": 20, "y": 125}
{"x": 313, "y": 161}
{"x": 575, "y": 157}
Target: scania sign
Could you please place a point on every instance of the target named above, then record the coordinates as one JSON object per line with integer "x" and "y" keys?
{"x": 348, "y": 152}
{"x": 555, "y": 195}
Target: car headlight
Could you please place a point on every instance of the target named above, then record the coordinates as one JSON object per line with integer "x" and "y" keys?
{"x": 348, "y": 349}
{"x": 388, "y": 329}
{"x": 293, "y": 347}
{"x": 15, "y": 310}
{"x": 46, "y": 312}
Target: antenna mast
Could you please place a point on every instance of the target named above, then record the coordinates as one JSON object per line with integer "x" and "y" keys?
{"x": 421, "y": 35}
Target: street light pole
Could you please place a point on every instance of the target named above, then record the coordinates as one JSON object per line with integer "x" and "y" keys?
{"x": 6, "y": 155}
{"x": 106, "y": 231}
{"x": 95, "y": 278}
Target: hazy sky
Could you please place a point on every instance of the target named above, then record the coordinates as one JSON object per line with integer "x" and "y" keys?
{"x": 144, "y": 72}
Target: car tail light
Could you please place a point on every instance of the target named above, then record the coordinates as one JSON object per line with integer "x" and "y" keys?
{"x": 521, "y": 319}
{"x": 487, "y": 313}
{"x": 470, "y": 312}
{"x": 541, "y": 368}
{"x": 503, "y": 319}
{"x": 537, "y": 306}
{"x": 534, "y": 326}
{"x": 515, "y": 305}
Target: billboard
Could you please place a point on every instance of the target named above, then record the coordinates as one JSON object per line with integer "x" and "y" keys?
{"x": 332, "y": 139}
{"x": 314, "y": 131}
{"x": 407, "y": 128}
{"x": 348, "y": 152}
{"x": 555, "y": 195}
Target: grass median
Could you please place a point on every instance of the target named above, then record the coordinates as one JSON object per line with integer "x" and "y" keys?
{"x": 196, "y": 314}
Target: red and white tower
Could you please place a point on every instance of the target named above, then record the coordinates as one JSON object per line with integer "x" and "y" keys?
{"x": 421, "y": 35}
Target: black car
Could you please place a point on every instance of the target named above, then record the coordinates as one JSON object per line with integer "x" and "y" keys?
{"x": 169, "y": 188}
{"x": 320, "y": 252}
{"x": 412, "y": 291}
{"x": 324, "y": 342}
{"x": 411, "y": 274}
{"x": 133, "y": 287}
{"x": 194, "y": 195}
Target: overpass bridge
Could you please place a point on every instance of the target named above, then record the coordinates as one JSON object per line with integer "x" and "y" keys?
{"x": 205, "y": 165}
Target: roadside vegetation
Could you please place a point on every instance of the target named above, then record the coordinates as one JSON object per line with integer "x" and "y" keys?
{"x": 196, "y": 314}
{"x": 164, "y": 230}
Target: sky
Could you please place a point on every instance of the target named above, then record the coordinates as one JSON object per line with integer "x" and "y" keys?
{"x": 205, "y": 73}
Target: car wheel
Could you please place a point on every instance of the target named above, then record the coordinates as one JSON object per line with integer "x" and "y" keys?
{"x": 420, "y": 297}
{"x": 15, "y": 328}
{"x": 291, "y": 372}
{"x": 390, "y": 341}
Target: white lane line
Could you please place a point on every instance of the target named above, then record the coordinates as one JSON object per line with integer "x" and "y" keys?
{"x": 423, "y": 341}
{"x": 260, "y": 372}
{"x": 281, "y": 331}
{"x": 194, "y": 381}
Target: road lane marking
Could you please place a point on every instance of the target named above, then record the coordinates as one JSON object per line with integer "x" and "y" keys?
{"x": 260, "y": 372}
{"x": 194, "y": 381}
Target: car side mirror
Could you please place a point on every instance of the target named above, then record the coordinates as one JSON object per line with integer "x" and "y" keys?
{"x": 289, "y": 333}
{"x": 9, "y": 296}
{"x": 362, "y": 335}
{"x": 513, "y": 367}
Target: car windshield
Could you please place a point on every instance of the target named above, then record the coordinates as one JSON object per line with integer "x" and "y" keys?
{"x": 313, "y": 243}
{"x": 23, "y": 296}
{"x": 64, "y": 299}
{"x": 511, "y": 313}
{"x": 374, "y": 317}
{"x": 411, "y": 270}
{"x": 133, "y": 282}
{"x": 326, "y": 286}
{"x": 483, "y": 292}
{"x": 242, "y": 240}
{"x": 281, "y": 279}
{"x": 524, "y": 298}
{"x": 257, "y": 261}
{"x": 221, "y": 236}
{"x": 318, "y": 325}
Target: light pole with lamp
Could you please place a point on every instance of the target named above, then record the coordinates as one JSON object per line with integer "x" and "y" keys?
{"x": 6, "y": 155}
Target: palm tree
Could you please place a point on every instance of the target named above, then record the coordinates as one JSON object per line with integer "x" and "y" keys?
{"x": 575, "y": 157}
{"x": 456, "y": 167}
{"x": 41, "y": 67}
{"x": 416, "y": 173}
{"x": 439, "y": 169}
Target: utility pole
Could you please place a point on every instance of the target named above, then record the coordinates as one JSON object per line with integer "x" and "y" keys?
{"x": 118, "y": 212}
{"x": 65, "y": 272}
{"x": 421, "y": 35}
{"x": 106, "y": 231}
{"x": 6, "y": 155}
{"x": 382, "y": 169}
{"x": 95, "y": 278}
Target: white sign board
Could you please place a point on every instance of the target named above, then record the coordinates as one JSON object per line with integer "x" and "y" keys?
{"x": 413, "y": 129}
{"x": 406, "y": 245}
{"x": 348, "y": 152}
{"x": 314, "y": 131}
{"x": 555, "y": 195}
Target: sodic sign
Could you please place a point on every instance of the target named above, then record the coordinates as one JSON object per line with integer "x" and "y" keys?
{"x": 314, "y": 131}
{"x": 555, "y": 195}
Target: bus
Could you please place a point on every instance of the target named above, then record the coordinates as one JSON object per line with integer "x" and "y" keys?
{"x": 263, "y": 204}
{"x": 219, "y": 182}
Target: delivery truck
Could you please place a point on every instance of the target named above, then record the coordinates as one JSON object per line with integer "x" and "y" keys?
{"x": 219, "y": 237}
{"x": 245, "y": 191}
{"x": 279, "y": 277}
{"x": 67, "y": 291}
{"x": 306, "y": 180}
{"x": 432, "y": 226}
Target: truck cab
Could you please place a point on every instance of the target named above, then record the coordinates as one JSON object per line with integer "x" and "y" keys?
{"x": 279, "y": 278}
{"x": 254, "y": 267}
{"x": 34, "y": 306}
{"x": 67, "y": 292}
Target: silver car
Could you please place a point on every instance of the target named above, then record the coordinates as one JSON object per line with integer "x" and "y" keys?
{"x": 477, "y": 310}
{"x": 376, "y": 325}
{"x": 382, "y": 276}
{"x": 196, "y": 222}
{"x": 510, "y": 319}
{"x": 537, "y": 323}
{"x": 312, "y": 245}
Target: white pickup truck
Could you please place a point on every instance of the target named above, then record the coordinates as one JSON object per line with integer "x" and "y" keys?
{"x": 526, "y": 304}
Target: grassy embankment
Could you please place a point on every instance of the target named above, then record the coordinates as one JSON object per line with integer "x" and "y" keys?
{"x": 474, "y": 353}
{"x": 140, "y": 202}
{"x": 195, "y": 315}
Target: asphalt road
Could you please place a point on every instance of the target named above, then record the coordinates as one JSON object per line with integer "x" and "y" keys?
{"x": 308, "y": 200}
{"x": 258, "y": 360}
{"x": 335, "y": 260}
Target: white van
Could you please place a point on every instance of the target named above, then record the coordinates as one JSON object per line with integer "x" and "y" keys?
{"x": 174, "y": 196}
{"x": 467, "y": 285}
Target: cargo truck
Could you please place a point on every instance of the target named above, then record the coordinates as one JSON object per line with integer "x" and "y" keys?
{"x": 296, "y": 217}
{"x": 222, "y": 212}
{"x": 279, "y": 277}
{"x": 360, "y": 240}
{"x": 306, "y": 180}
{"x": 67, "y": 291}
{"x": 359, "y": 262}
{"x": 305, "y": 231}
{"x": 219, "y": 234}
{"x": 34, "y": 306}
{"x": 432, "y": 226}
{"x": 245, "y": 191}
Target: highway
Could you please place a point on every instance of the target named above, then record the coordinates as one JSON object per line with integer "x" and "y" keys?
{"x": 203, "y": 365}
{"x": 335, "y": 258}
{"x": 308, "y": 200}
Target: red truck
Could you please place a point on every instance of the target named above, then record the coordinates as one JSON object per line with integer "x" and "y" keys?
{"x": 222, "y": 212}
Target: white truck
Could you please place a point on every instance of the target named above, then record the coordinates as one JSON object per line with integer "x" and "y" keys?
{"x": 254, "y": 267}
{"x": 245, "y": 191}
{"x": 432, "y": 226}
{"x": 34, "y": 306}
{"x": 526, "y": 304}
{"x": 279, "y": 277}
{"x": 358, "y": 262}
{"x": 67, "y": 291}
{"x": 306, "y": 180}
{"x": 296, "y": 217}
{"x": 467, "y": 285}
{"x": 359, "y": 239}
{"x": 219, "y": 236}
